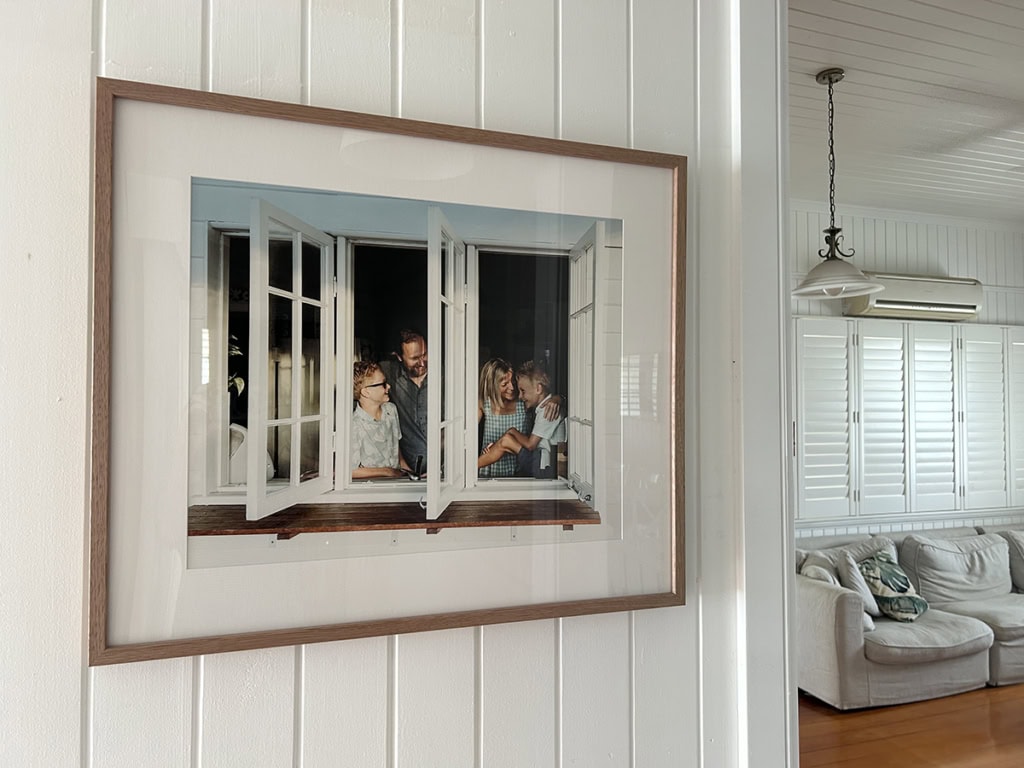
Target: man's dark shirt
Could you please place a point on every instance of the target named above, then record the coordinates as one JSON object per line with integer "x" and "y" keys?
{"x": 411, "y": 401}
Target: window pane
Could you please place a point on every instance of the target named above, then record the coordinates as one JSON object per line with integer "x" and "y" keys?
{"x": 310, "y": 396}
{"x": 309, "y": 457}
{"x": 281, "y": 263}
{"x": 311, "y": 271}
{"x": 445, "y": 335}
{"x": 444, "y": 455}
{"x": 524, "y": 315}
{"x": 445, "y": 247}
{"x": 279, "y": 446}
{"x": 279, "y": 403}
{"x": 238, "y": 330}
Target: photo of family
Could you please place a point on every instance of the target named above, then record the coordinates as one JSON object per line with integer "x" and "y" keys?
{"x": 515, "y": 421}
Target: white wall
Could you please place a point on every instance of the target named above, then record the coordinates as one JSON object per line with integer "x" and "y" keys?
{"x": 706, "y": 684}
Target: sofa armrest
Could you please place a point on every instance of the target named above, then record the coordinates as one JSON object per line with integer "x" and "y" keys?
{"x": 830, "y": 643}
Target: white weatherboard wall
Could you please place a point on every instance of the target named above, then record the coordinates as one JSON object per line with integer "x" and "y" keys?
{"x": 699, "y": 685}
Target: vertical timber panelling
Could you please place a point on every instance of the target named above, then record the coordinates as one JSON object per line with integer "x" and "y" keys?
{"x": 247, "y": 708}
{"x": 439, "y": 61}
{"x": 351, "y": 55}
{"x": 255, "y": 48}
{"x": 438, "y": 699}
{"x": 663, "y": 93}
{"x": 518, "y": 689}
{"x": 435, "y": 689}
{"x": 519, "y": 66}
{"x": 148, "y": 724}
{"x": 44, "y": 311}
{"x": 594, "y": 70}
{"x": 596, "y": 706}
{"x": 154, "y": 41}
{"x": 517, "y": 695}
{"x": 345, "y": 703}
{"x": 665, "y": 651}
{"x": 596, "y": 691}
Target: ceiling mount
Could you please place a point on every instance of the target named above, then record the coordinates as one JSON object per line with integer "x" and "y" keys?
{"x": 830, "y": 76}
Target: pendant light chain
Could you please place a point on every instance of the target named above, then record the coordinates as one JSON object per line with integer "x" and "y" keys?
{"x": 834, "y": 278}
{"x": 831, "y": 160}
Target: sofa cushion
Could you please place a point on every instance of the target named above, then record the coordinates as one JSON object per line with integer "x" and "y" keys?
{"x": 936, "y": 635}
{"x": 859, "y": 550}
{"x": 818, "y": 573}
{"x": 955, "y": 570}
{"x": 1015, "y": 542}
{"x": 851, "y": 578}
{"x": 1004, "y": 614}
{"x": 891, "y": 588}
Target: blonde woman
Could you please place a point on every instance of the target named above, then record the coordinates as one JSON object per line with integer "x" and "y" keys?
{"x": 500, "y": 409}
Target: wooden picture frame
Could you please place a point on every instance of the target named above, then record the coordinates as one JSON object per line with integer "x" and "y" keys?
{"x": 496, "y": 553}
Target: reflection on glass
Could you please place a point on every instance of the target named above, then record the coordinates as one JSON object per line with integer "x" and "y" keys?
{"x": 279, "y": 374}
{"x": 310, "y": 271}
{"x": 445, "y": 246}
{"x": 444, "y": 455}
{"x": 309, "y": 456}
{"x": 309, "y": 398}
{"x": 279, "y": 446}
{"x": 280, "y": 264}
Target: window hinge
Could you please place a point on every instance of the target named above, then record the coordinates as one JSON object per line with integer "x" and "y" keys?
{"x": 335, "y": 286}
{"x": 334, "y": 441}
{"x": 794, "y": 437}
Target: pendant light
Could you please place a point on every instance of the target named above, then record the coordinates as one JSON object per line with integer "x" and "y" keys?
{"x": 834, "y": 278}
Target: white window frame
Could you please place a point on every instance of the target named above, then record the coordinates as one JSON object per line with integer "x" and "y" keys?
{"x": 263, "y": 497}
{"x": 334, "y": 485}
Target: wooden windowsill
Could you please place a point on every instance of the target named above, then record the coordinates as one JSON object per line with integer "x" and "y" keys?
{"x": 229, "y": 519}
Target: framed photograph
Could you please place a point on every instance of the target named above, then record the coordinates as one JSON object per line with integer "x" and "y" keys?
{"x": 356, "y": 375}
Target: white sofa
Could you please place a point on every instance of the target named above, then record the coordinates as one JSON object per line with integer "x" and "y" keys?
{"x": 851, "y": 660}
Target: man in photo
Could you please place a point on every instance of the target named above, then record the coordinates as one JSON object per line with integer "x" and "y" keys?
{"x": 407, "y": 374}
{"x": 535, "y": 452}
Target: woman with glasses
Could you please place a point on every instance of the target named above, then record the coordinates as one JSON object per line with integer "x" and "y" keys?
{"x": 375, "y": 428}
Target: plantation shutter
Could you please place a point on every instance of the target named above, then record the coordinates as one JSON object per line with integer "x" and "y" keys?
{"x": 983, "y": 404}
{"x": 824, "y": 419}
{"x": 1015, "y": 361}
{"x": 933, "y": 417}
{"x": 881, "y": 356}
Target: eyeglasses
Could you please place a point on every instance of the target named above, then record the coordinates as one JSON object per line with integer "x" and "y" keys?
{"x": 378, "y": 384}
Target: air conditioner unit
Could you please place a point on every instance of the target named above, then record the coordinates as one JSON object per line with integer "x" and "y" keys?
{"x": 918, "y": 297}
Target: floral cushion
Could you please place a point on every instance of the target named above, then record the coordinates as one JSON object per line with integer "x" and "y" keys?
{"x": 893, "y": 592}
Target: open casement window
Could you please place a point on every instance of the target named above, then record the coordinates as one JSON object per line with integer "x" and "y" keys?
{"x": 291, "y": 319}
{"x": 446, "y": 334}
{"x": 586, "y": 263}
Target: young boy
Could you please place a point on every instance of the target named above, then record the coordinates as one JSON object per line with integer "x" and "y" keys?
{"x": 375, "y": 428}
{"x": 535, "y": 451}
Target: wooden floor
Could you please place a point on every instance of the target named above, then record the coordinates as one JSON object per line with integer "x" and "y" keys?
{"x": 980, "y": 729}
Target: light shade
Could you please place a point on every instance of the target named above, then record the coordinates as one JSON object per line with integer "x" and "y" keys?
{"x": 836, "y": 279}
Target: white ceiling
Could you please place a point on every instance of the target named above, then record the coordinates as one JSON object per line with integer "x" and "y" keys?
{"x": 930, "y": 115}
